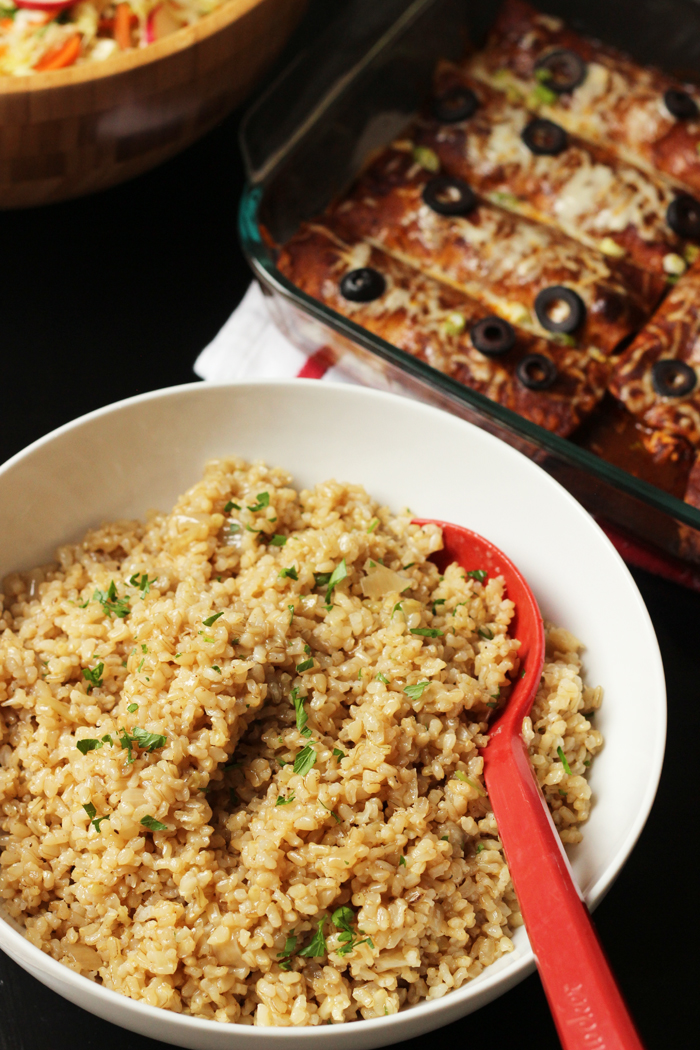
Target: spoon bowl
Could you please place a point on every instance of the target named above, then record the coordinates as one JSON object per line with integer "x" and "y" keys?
{"x": 586, "y": 1004}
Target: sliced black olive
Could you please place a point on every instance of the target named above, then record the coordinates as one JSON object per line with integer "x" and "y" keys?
{"x": 458, "y": 103}
{"x": 550, "y": 297}
{"x": 536, "y": 372}
{"x": 492, "y": 336}
{"x": 544, "y": 137}
{"x": 673, "y": 378}
{"x": 680, "y": 104}
{"x": 683, "y": 216}
{"x": 363, "y": 285}
{"x": 565, "y": 69}
{"x": 449, "y": 196}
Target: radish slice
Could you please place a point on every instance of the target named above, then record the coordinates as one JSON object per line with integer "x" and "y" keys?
{"x": 160, "y": 22}
{"x": 45, "y": 5}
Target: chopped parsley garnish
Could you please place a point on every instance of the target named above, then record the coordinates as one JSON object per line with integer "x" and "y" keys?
{"x": 282, "y": 801}
{"x": 93, "y": 676}
{"x": 317, "y": 945}
{"x": 290, "y": 573}
{"x": 343, "y": 918}
{"x": 87, "y": 744}
{"x": 479, "y": 847}
{"x": 490, "y": 703}
{"x": 215, "y": 668}
{"x": 291, "y": 614}
{"x": 337, "y": 753}
{"x": 263, "y": 500}
{"x": 152, "y": 824}
{"x": 485, "y": 632}
{"x": 438, "y": 601}
{"x": 562, "y": 793}
{"x": 249, "y": 528}
{"x": 111, "y": 603}
{"x": 427, "y": 632}
{"x": 143, "y": 658}
{"x": 564, "y": 761}
{"x": 382, "y": 678}
{"x": 338, "y": 574}
{"x": 478, "y": 574}
{"x": 373, "y": 524}
{"x": 144, "y": 648}
{"x": 359, "y": 675}
{"x": 459, "y": 775}
{"x": 277, "y": 540}
{"x": 444, "y": 838}
{"x": 231, "y": 506}
{"x": 410, "y": 565}
{"x": 497, "y": 694}
{"x": 397, "y": 608}
{"x": 302, "y": 716}
{"x": 402, "y": 862}
{"x": 212, "y": 619}
{"x": 415, "y": 692}
{"x": 586, "y": 761}
{"x": 289, "y": 948}
{"x": 149, "y": 741}
{"x": 335, "y": 816}
{"x": 305, "y": 760}
{"x": 322, "y": 578}
{"x": 92, "y": 813}
{"x": 207, "y": 638}
{"x": 142, "y": 582}
{"x": 233, "y": 528}
{"x": 305, "y": 665}
{"x": 132, "y": 707}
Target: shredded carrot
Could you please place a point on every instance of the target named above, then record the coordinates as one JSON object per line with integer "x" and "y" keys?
{"x": 122, "y": 26}
{"x": 62, "y": 56}
{"x": 6, "y": 23}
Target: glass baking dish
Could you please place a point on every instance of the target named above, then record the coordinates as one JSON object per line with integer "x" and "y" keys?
{"x": 349, "y": 95}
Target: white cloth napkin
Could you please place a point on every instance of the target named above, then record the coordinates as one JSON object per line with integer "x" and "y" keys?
{"x": 250, "y": 346}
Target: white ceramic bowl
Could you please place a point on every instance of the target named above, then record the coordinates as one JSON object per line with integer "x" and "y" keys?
{"x": 142, "y": 453}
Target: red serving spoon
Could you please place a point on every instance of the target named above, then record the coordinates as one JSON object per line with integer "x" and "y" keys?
{"x": 586, "y": 1004}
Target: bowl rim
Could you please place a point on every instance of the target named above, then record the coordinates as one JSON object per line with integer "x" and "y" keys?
{"x": 513, "y": 971}
{"x": 125, "y": 61}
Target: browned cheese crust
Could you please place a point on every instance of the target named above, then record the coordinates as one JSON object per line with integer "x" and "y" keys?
{"x": 619, "y": 104}
{"x": 584, "y": 190}
{"x": 673, "y": 332}
{"x": 493, "y": 255}
{"x": 432, "y": 321}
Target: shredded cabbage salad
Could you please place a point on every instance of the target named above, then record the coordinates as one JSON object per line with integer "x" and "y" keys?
{"x": 36, "y": 36}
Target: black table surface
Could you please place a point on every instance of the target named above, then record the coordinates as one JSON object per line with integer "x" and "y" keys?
{"x": 115, "y": 294}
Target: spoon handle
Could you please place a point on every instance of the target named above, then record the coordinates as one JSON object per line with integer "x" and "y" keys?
{"x": 586, "y": 1003}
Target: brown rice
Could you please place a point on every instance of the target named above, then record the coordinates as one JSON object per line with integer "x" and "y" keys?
{"x": 308, "y": 873}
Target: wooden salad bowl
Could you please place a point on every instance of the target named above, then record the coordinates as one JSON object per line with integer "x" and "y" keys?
{"x": 72, "y": 131}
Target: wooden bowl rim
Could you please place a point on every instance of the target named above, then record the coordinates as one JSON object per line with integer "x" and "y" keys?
{"x": 186, "y": 37}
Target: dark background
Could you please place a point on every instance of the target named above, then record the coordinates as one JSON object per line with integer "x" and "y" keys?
{"x": 115, "y": 294}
